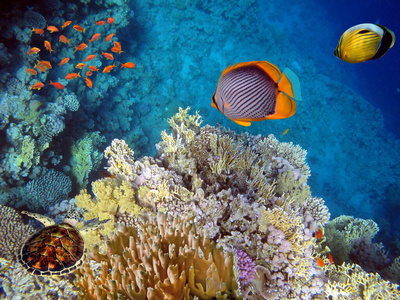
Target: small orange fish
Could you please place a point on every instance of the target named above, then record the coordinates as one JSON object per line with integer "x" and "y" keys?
{"x": 108, "y": 56}
{"x": 36, "y": 86}
{"x": 89, "y": 73}
{"x": 89, "y": 83}
{"x": 81, "y": 47}
{"x": 109, "y": 68}
{"x": 109, "y": 37}
{"x": 45, "y": 64}
{"x": 95, "y": 37}
{"x": 31, "y": 71}
{"x": 79, "y": 28}
{"x": 40, "y": 68}
{"x": 116, "y": 50}
{"x": 66, "y": 24}
{"x": 128, "y": 65}
{"x": 110, "y": 20}
{"x": 330, "y": 258}
{"x": 89, "y": 58}
{"x": 93, "y": 69}
{"x": 319, "y": 234}
{"x": 101, "y": 23}
{"x": 320, "y": 262}
{"x": 33, "y": 50}
{"x": 52, "y": 29}
{"x": 63, "y": 61}
{"x": 72, "y": 76}
{"x": 47, "y": 45}
{"x": 286, "y": 131}
{"x": 63, "y": 39}
{"x": 37, "y": 30}
{"x": 80, "y": 66}
{"x": 57, "y": 85}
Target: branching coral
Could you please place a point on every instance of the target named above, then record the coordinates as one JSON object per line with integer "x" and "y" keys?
{"x": 349, "y": 281}
{"x": 163, "y": 258}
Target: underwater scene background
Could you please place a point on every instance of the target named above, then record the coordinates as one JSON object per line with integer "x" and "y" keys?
{"x": 308, "y": 213}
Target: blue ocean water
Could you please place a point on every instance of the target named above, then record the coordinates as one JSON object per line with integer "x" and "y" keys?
{"x": 348, "y": 120}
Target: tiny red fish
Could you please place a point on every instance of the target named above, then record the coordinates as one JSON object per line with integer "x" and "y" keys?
{"x": 89, "y": 83}
{"x": 63, "y": 39}
{"x": 40, "y": 68}
{"x": 45, "y": 64}
{"x": 109, "y": 37}
{"x": 33, "y": 50}
{"x": 319, "y": 234}
{"x": 89, "y": 73}
{"x": 36, "y": 86}
{"x": 101, "y": 23}
{"x": 108, "y": 56}
{"x": 79, "y": 28}
{"x": 320, "y": 262}
{"x": 128, "y": 65}
{"x": 52, "y": 29}
{"x": 66, "y": 24}
{"x": 330, "y": 258}
{"x": 63, "y": 61}
{"x": 31, "y": 71}
{"x": 80, "y": 66}
{"x": 93, "y": 69}
{"x": 57, "y": 85}
{"x": 89, "y": 57}
{"x": 81, "y": 47}
{"x": 72, "y": 76}
{"x": 95, "y": 37}
{"x": 110, "y": 20}
{"x": 109, "y": 68}
{"x": 37, "y": 30}
{"x": 47, "y": 45}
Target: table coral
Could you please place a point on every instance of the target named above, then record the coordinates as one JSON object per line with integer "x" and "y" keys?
{"x": 164, "y": 258}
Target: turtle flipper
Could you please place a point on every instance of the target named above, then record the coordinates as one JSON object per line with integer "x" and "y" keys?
{"x": 46, "y": 221}
{"x": 92, "y": 226}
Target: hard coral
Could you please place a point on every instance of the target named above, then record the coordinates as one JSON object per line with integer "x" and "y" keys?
{"x": 160, "y": 258}
{"x": 12, "y": 232}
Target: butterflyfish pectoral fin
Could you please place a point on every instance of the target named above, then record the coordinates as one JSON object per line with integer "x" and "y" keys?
{"x": 285, "y": 107}
{"x": 242, "y": 123}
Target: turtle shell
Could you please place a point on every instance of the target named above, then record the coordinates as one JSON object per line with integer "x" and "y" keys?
{"x": 54, "y": 250}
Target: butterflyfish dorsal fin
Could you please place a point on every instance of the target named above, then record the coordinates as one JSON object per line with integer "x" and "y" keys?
{"x": 290, "y": 84}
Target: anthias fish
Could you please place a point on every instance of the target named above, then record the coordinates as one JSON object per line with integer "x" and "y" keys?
{"x": 364, "y": 42}
{"x": 256, "y": 91}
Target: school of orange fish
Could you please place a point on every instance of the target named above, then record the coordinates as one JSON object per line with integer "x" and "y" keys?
{"x": 43, "y": 65}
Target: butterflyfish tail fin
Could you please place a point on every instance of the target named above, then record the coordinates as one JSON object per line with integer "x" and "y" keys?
{"x": 290, "y": 84}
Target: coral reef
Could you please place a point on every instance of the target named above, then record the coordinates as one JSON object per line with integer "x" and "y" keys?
{"x": 255, "y": 200}
{"x": 160, "y": 258}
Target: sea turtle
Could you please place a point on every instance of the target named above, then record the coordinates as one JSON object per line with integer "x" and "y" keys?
{"x": 57, "y": 249}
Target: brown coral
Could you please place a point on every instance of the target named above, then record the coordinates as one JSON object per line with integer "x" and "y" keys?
{"x": 164, "y": 258}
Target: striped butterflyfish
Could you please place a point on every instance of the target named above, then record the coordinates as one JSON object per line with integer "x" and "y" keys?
{"x": 364, "y": 42}
{"x": 256, "y": 91}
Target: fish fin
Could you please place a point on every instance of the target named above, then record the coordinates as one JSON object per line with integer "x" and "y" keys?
{"x": 272, "y": 70}
{"x": 290, "y": 84}
{"x": 213, "y": 105}
{"x": 285, "y": 107}
{"x": 242, "y": 123}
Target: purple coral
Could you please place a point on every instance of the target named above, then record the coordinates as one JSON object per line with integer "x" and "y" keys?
{"x": 246, "y": 267}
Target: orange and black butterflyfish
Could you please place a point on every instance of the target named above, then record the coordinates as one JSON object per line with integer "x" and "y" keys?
{"x": 256, "y": 91}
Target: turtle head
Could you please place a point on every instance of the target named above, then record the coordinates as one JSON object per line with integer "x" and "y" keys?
{"x": 72, "y": 217}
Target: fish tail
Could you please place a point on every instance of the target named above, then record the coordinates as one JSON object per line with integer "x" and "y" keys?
{"x": 290, "y": 84}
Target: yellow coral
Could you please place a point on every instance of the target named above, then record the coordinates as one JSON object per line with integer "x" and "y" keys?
{"x": 112, "y": 197}
{"x": 163, "y": 258}
{"x": 27, "y": 151}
